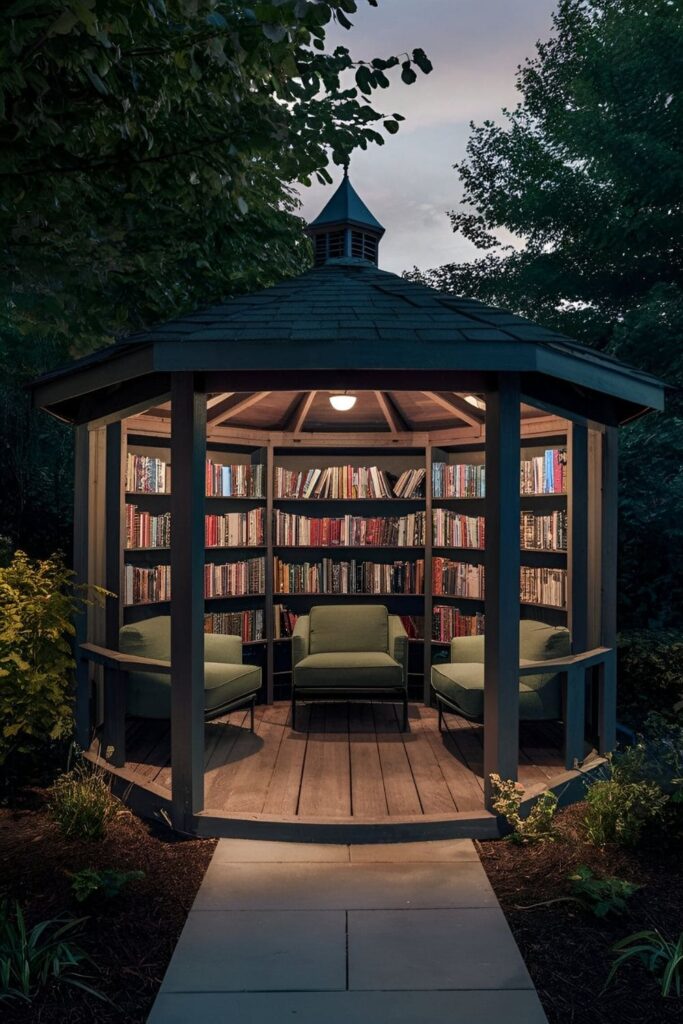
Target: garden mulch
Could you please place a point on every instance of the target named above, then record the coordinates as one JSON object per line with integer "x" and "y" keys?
{"x": 130, "y": 937}
{"x": 566, "y": 948}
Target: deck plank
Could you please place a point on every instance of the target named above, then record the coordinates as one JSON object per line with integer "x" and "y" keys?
{"x": 465, "y": 788}
{"x": 282, "y": 797}
{"x": 251, "y": 776}
{"x": 399, "y": 784}
{"x": 435, "y": 796}
{"x": 326, "y": 781}
{"x": 227, "y": 751}
{"x": 368, "y": 798}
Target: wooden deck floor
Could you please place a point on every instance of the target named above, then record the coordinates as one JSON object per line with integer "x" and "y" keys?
{"x": 344, "y": 761}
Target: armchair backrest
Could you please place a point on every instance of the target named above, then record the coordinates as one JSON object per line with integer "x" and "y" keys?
{"x": 537, "y": 642}
{"x": 150, "y": 638}
{"x": 353, "y": 627}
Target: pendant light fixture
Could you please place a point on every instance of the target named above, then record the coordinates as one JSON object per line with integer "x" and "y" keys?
{"x": 342, "y": 403}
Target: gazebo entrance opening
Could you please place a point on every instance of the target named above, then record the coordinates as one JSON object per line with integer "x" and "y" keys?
{"x": 389, "y": 503}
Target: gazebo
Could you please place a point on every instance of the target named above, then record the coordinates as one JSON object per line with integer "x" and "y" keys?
{"x": 438, "y": 381}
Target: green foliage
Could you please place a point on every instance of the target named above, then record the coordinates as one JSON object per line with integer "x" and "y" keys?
{"x": 107, "y": 883}
{"x": 148, "y": 149}
{"x": 82, "y": 804}
{"x": 33, "y": 959}
{"x": 586, "y": 173}
{"x": 650, "y": 669}
{"x": 618, "y": 812}
{"x": 37, "y": 604}
{"x": 658, "y": 955}
{"x": 656, "y": 755}
{"x": 602, "y": 896}
{"x": 538, "y": 825}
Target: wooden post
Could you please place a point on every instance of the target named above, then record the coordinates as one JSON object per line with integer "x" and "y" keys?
{"x": 501, "y": 641}
{"x": 269, "y": 609}
{"x": 577, "y": 555}
{"x": 188, "y": 476}
{"x": 114, "y": 731}
{"x": 428, "y": 583}
{"x": 81, "y": 577}
{"x": 607, "y": 708}
{"x": 574, "y": 716}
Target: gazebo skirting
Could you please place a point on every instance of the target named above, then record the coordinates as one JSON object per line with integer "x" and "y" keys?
{"x": 347, "y": 774}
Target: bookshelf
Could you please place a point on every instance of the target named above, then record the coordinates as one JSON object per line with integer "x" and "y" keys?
{"x": 341, "y": 535}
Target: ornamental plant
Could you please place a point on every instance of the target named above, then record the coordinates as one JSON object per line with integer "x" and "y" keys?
{"x": 660, "y": 956}
{"x": 107, "y": 883}
{"x": 618, "y": 812}
{"x": 37, "y": 605}
{"x": 82, "y": 803}
{"x": 538, "y": 825}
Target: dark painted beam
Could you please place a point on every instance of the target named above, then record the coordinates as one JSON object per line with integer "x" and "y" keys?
{"x": 502, "y": 561}
{"x": 577, "y": 554}
{"x": 114, "y": 500}
{"x": 188, "y": 454}
{"x": 81, "y": 533}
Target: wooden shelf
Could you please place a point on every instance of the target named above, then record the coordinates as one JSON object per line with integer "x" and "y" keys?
{"x": 208, "y": 547}
{"x": 323, "y": 501}
{"x": 349, "y": 547}
{"x": 216, "y": 597}
{"x": 209, "y": 497}
{"x": 277, "y": 594}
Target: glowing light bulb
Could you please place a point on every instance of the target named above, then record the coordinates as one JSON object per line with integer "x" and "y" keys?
{"x": 342, "y": 403}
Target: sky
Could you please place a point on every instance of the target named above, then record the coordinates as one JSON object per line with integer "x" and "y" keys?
{"x": 409, "y": 183}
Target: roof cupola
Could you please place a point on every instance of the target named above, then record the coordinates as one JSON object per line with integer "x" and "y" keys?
{"x": 345, "y": 228}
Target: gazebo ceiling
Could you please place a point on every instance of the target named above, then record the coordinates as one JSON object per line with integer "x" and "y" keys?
{"x": 374, "y": 411}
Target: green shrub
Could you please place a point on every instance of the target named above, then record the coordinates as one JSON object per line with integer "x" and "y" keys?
{"x": 37, "y": 605}
{"x": 618, "y": 812}
{"x": 602, "y": 896}
{"x": 82, "y": 804}
{"x": 650, "y": 672}
{"x": 30, "y": 960}
{"x": 107, "y": 883}
{"x": 656, "y": 756}
{"x": 507, "y": 800}
{"x": 660, "y": 956}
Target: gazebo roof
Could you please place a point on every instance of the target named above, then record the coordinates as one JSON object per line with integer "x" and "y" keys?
{"x": 346, "y": 206}
{"x": 350, "y": 319}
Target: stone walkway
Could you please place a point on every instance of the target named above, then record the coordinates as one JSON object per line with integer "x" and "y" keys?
{"x": 410, "y": 933}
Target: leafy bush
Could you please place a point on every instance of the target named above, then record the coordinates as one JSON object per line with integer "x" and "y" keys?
{"x": 46, "y": 954}
{"x": 37, "y": 605}
{"x": 107, "y": 883}
{"x": 602, "y": 896}
{"x": 82, "y": 804}
{"x": 507, "y": 801}
{"x": 618, "y": 812}
{"x": 660, "y": 956}
{"x": 650, "y": 667}
{"x": 657, "y": 756}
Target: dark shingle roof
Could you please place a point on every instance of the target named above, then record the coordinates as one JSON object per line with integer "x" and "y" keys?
{"x": 346, "y": 206}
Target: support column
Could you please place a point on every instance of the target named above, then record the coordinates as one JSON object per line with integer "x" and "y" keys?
{"x": 501, "y": 642}
{"x": 188, "y": 459}
{"x": 81, "y": 578}
{"x": 114, "y": 703}
{"x": 607, "y": 708}
{"x": 577, "y": 515}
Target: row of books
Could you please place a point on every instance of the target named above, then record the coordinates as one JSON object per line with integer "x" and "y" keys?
{"x": 236, "y": 529}
{"x": 148, "y": 475}
{"x": 544, "y": 474}
{"x": 143, "y": 586}
{"x": 248, "y": 624}
{"x": 448, "y": 622}
{"x": 284, "y": 621}
{"x": 450, "y": 529}
{"x": 245, "y": 480}
{"x": 457, "y": 579}
{"x": 348, "y": 482}
{"x": 353, "y": 577}
{"x": 144, "y": 530}
{"x": 543, "y": 533}
{"x": 543, "y": 586}
{"x": 350, "y": 531}
{"x": 458, "y": 480}
{"x": 234, "y": 579}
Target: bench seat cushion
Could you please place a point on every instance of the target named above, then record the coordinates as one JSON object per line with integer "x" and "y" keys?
{"x": 348, "y": 670}
{"x": 149, "y": 693}
{"x": 462, "y": 683}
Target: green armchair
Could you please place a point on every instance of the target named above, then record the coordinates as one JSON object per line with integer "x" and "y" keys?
{"x": 340, "y": 652}
{"x": 458, "y": 686}
{"x": 228, "y": 684}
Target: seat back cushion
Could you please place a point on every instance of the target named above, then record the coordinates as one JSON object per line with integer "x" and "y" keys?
{"x": 355, "y": 627}
{"x": 540, "y": 642}
{"x": 150, "y": 638}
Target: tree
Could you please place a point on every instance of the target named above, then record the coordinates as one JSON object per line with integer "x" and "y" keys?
{"x": 147, "y": 148}
{"x": 587, "y": 172}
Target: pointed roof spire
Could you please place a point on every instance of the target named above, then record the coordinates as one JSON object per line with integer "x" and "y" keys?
{"x": 346, "y": 208}
{"x": 345, "y": 228}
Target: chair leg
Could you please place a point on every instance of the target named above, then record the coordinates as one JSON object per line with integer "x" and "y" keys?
{"x": 405, "y": 713}
{"x": 440, "y": 707}
{"x": 293, "y": 709}
{"x": 251, "y": 714}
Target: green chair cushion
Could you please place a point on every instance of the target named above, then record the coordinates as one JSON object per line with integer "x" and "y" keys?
{"x": 348, "y": 670}
{"x": 354, "y": 627}
{"x": 149, "y": 693}
{"x": 463, "y": 685}
{"x": 150, "y": 638}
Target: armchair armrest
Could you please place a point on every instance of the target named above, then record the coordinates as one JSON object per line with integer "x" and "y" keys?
{"x": 467, "y": 649}
{"x": 301, "y": 639}
{"x": 122, "y": 662}
{"x": 398, "y": 643}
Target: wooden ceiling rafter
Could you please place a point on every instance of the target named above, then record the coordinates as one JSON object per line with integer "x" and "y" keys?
{"x": 458, "y": 407}
{"x": 234, "y": 406}
{"x": 395, "y": 420}
{"x": 295, "y": 420}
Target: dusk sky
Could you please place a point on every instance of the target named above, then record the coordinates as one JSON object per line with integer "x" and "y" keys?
{"x": 409, "y": 183}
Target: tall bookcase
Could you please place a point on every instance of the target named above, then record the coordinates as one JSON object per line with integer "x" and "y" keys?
{"x": 273, "y": 653}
